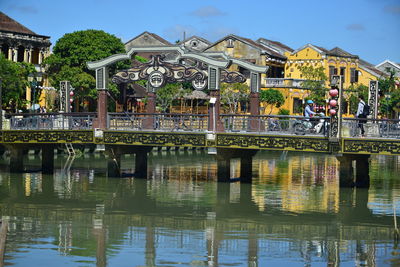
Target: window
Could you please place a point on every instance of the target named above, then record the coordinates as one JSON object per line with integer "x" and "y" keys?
{"x": 353, "y": 75}
{"x": 230, "y": 43}
{"x": 297, "y": 105}
{"x": 332, "y": 71}
{"x": 342, "y": 72}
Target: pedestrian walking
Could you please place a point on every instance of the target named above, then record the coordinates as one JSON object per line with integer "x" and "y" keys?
{"x": 361, "y": 114}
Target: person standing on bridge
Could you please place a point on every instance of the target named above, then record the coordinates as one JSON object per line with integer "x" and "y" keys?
{"x": 360, "y": 114}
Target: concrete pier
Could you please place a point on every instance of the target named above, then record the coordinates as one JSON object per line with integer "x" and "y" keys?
{"x": 346, "y": 170}
{"x": 224, "y": 157}
{"x": 114, "y": 160}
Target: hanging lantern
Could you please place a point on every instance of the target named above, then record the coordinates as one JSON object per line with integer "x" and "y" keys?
{"x": 71, "y": 93}
{"x": 332, "y": 103}
{"x": 333, "y": 92}
{"x": 71, "y": 100}
{"x": 332, "y": 112}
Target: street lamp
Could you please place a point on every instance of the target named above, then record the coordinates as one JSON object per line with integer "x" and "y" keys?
{"x": 35, "y": 80}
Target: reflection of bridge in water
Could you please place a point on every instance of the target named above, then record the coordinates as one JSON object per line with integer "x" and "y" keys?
{"x": 131, "y": 209}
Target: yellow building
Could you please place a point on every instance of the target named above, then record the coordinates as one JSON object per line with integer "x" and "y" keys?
{"x": 20, "y": 44}
{"x": 251, "y": 51}
{"x": 336, "y": 61}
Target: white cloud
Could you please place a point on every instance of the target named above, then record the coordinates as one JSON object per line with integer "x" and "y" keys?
{"x": 207, "y": 11}
{"x": 355, "y": 27}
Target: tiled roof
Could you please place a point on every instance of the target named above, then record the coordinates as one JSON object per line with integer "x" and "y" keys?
{"x": 322, "y": 49}
{"x": 10, "y": 25}
{"x": 369, "y": 67}
{"x": 155, "y": 36}
{"x": 338, "y": 52}
{"x": 250, "y": 42}
{"x": 276, "y": 43}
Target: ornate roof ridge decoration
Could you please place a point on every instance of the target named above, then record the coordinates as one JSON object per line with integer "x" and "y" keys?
{"x": 158, "y": 72}
{"x": 216, "y": 59}
{"x": 232, "y": 77}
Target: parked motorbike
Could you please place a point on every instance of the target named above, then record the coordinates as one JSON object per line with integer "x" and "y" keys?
{"x": 303, "y": 126}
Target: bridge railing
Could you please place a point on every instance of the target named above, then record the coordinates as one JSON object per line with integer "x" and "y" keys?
{"x": 51, "y": 121}
{"x": 276, "y": 124}
{"x": 158, "y": 121}
{"x": 383, "y": 128}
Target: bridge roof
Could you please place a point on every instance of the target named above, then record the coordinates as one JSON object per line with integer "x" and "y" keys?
{"x": 217, "y": 59}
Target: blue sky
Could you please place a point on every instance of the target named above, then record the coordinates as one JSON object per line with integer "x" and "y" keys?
{"x": 367, "y": 28}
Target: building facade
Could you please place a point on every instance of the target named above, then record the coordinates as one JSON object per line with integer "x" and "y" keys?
{"x": 20, "y": 44}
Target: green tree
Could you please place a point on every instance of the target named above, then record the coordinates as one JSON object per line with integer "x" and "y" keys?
{"x": 389, "y": 101}
{"x": 387, "y": 84}
{"x": 70, "y": 55}
{"x": 14, "y": 79}
{"x": 167, "y": 94}
{"x": 315, "y": 79}
{"x": 232, "y": 94}
{"x": 355, "y": 90}
{"x": 273, "y": 98}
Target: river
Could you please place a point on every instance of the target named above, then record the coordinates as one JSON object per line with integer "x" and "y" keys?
{"x": 293, "y": 214}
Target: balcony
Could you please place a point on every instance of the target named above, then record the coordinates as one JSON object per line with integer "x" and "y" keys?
{"x": 284, "y": 83}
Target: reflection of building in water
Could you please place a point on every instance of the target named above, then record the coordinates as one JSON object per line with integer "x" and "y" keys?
{"x": 183, "y": 165}
{"x": 307, "y": 183}
{"x": 32, "y": 183}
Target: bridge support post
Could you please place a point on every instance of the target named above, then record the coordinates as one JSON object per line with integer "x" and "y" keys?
{"x": 148, "y": 123}
{"x": 48, "y": 159}
{"x": 16, "y": 159}
{"x": 223, "y": 169}
{"x": 114, "y": 164}
{"x": 362, "y": 171}
{"x": 224, "y": 157}
{"x": 346, "y": 170}
{"x": 141, "y": 155}
{"x": 246, "y": 165}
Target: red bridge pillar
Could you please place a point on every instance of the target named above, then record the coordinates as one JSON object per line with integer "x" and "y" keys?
{"x": 214, "y": 111}
{"x": 148, "y": 123}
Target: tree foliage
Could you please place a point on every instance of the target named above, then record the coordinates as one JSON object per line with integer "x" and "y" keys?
{"x": 272, "y": 98}
{"x": 71, "y": 53}
{"x": 389, "y": 101}
{"x": 315, "y": 79}
{"x": 14, "y": 79}
{"x": 167, "y": 94}
{"x": 387, "y": 84}
{"x": 232, "y": 94}
{"x": 355, "y": 90}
